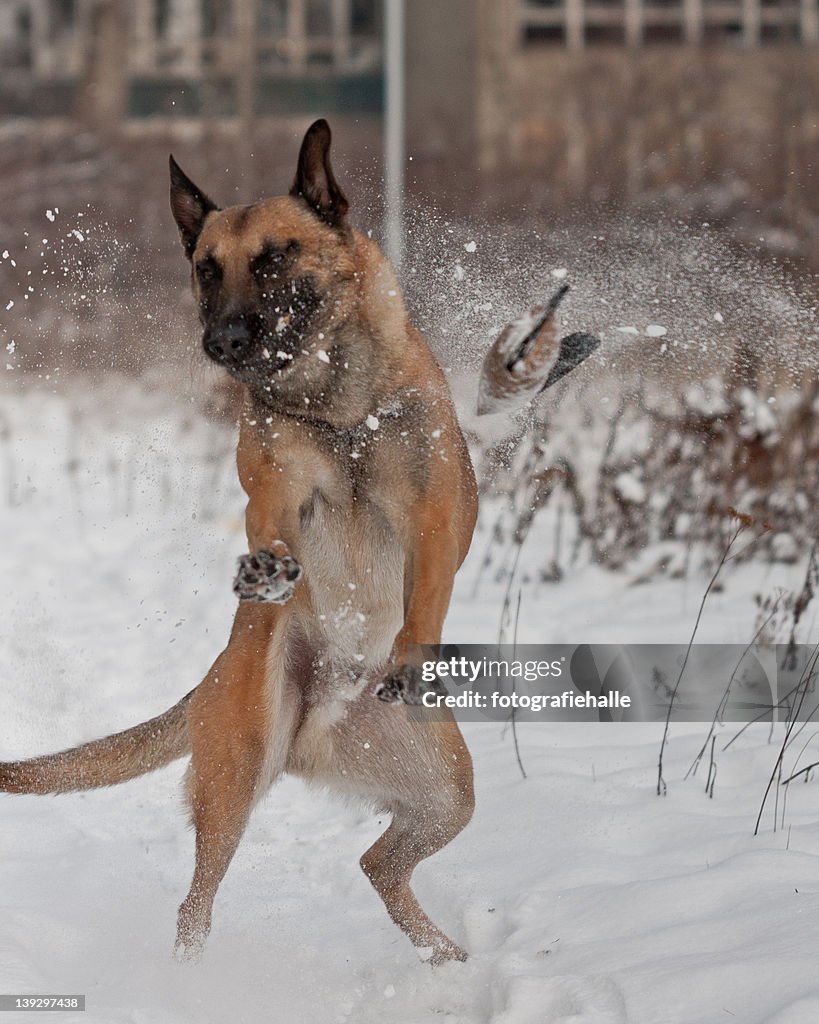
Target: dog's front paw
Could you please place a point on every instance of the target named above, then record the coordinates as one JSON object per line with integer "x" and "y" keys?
{"x": 406, "y": 685}
{"x": 266, "y": 578}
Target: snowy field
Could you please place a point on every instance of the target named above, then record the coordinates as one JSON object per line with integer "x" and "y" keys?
{"x": 581, "y": 896}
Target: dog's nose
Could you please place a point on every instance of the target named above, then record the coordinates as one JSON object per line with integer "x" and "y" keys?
{"x": 228, "y": 343}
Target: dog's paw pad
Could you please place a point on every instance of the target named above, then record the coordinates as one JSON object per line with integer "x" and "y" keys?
{"x": 390, "y": 690}
{"x": 406, "y": 685}
{"x": 266, "y": 578}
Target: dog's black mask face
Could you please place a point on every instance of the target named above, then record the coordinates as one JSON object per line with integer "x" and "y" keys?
{"x": 272, "y": 279}
{"x": 267, "y": 329}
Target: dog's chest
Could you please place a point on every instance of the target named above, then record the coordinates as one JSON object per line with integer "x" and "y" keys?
{"x": 356, "y": 490}
{"x": 354, "y": 566}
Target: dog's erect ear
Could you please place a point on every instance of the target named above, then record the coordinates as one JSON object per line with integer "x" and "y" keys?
{"x": 190, "y": 207}
{"x": 315, "y": 181}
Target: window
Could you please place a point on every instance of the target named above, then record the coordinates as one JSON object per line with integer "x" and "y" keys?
{"x": 217, "y": 18}
{"x": 61, "y": 17}
{"x": 577, "y": 23}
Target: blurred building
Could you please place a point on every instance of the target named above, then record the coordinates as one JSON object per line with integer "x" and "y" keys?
{"x": 711, "y": 105}
{"x": 192, "y": 58}
{"x": 194, "y": 47}
{"x": 593, "y": 98}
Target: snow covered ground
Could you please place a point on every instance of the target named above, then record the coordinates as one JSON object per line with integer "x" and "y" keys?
{"x": 582, "y": 897}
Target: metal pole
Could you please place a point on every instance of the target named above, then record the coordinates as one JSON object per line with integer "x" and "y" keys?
{"x": 245, "y": 13}
{"x": 394, "y": 129}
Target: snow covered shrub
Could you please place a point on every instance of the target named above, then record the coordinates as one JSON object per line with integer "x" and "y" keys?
{"x": 669, "y": 471}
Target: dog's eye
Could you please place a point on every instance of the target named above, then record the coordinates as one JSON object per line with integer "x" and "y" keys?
{"x": 206, "y": 272}
{"x": 270, "y": 262}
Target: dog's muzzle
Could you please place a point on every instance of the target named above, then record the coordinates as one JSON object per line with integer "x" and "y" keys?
{"x": 229, "y": 344}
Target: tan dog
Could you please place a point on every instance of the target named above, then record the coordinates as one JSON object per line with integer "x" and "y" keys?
{"x": 361, "y": 507}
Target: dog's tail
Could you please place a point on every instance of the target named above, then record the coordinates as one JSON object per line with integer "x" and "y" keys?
{"x": 106, "y": 762}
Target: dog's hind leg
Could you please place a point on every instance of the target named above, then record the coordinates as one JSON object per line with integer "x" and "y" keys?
{"x": 419, "y": 770}
{"x": 414, "y": 834}
{"x": 430, "y": 794}
{"x": 241, "y": 723}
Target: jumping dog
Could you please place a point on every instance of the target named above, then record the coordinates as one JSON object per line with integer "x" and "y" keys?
{"x": 361, "y": 507}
